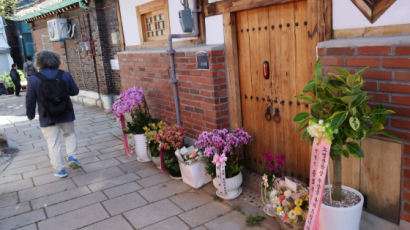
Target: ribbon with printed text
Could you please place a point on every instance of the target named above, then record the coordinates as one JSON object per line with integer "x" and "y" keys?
{"x": 221, "y": 180}
{"x": 318, "y": 168}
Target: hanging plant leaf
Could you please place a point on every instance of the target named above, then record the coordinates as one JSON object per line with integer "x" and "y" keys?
{"x": 354, "y": 123}
{"x": 354, "y": 149}
{"x": 301, "y": 116}
{"x": 318, "y": 70}
{"x": 337, "y": 119}
{"x": 390, "y": 135}
{"x": 343, "y": 72}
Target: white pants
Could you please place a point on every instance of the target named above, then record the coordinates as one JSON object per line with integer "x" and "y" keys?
{"x": 53, "y": 136}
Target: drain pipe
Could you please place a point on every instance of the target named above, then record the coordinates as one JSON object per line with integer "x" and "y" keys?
{"x": 171, "y": 53}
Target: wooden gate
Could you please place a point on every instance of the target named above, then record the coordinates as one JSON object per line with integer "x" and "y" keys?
{"x": 277, "y": 35}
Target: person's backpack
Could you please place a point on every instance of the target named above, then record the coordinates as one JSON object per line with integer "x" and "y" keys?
{"x": 30, "y": 69}
{"x": 55, "y": 96}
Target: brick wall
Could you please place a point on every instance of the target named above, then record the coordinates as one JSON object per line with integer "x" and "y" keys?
{"x": 203, "y": 93}
{"x": 102, "y": 22}
{"x": 387, "y": 81}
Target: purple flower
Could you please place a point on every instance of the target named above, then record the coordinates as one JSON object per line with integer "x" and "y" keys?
{"x": 127, "y": 101}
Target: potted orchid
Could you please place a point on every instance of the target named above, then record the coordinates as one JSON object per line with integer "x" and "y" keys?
{"x": 130, "y": 101}
{"x": 340, "y": 116}
{"x": 193, "y": 168}
{"x": 151, "y": 130}
{"x": 224, "y": 164}
{"x": 170, "y": 139}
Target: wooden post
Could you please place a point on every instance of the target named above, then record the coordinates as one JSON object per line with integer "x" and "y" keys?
{"x": 231, "y": 53}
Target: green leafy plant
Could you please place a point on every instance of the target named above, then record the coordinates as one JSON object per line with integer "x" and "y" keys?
{"x": 339, "y": 102}
{"x": 8, "y": 7}
{"x": 254, "y": 220}
{"x": 140, "y": 118}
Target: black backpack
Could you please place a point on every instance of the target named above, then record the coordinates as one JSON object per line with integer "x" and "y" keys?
{"x": 55, "y": 95}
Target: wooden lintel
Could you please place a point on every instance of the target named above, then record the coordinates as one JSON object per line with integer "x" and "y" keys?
{"x": 238, "y": 5}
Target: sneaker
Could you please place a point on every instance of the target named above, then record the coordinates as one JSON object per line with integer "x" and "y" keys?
{"x": 62, "y": 173}
{"x": 73, "y": 163}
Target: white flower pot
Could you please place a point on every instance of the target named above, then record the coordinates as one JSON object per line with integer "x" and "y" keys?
{"x": 195, "y": 174}
{"x": 233, "y": 187}
{"x": 157, "y": 161}
{"x": 141, "y": 148}
{"x": 341, "y": 218}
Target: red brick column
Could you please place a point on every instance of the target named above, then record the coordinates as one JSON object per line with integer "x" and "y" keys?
{"x": 203, "y": 93}
{"x": 387, "y": 81}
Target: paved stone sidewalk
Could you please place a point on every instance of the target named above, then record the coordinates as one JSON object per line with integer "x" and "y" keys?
{"x": 111, "y": 191}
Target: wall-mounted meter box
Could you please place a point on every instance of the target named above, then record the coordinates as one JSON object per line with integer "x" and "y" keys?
{"x": 185, "y": 18}
{"x": 58, "y": 29}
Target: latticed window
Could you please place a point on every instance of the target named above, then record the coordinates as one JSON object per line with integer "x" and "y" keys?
{"x": 155, "y": 26}
{"x": 153, "y": 20}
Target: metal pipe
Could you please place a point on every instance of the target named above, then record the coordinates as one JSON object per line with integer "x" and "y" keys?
{"x": 171, "y": 53}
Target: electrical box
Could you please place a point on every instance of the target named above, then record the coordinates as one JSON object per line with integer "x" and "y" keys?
{"x": 185, "y": 18}
{"x": 58, "y": 29}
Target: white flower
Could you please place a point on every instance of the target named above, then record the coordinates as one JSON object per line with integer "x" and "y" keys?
{"x": 265, "y": 180}
{"x": 292, "y": 215}
{"x": 287, "y": 193}
{"x": 275, "y": 200}
{"x": 316, "y": 130}
{"x": 273, "y": 194}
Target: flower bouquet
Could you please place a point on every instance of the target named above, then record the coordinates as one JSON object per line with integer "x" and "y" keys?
{"x": 170, "y": 139}
{"x": 151, "y": 130}
{"x": 224, "y": 164}
{"x": 274, "y": 166}
{"x": 290, "y": 200}
{"x": 192, "y": 167}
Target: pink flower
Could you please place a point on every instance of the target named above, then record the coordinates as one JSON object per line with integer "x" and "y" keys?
{"x": 219, "y": 160}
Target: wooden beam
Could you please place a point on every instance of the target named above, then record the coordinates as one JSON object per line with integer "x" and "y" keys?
{"x": 320, "y": 12}
{"x": 402, "y": 29}
{"x": 238, "y": 5}
{"x": 122, "y": 40}
{"x": 231, "y": 54}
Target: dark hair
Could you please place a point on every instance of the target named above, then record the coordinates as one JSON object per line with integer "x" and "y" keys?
{"x": 13, "y": 65}
{"x": 28, "y": 58}
{"x": 46, "y": 59}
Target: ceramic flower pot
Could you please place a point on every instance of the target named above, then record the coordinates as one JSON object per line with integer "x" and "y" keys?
{"x": 195, "y": 174}
{"x": 233, "y": 187}
{"x": 336, "y": 218}
{"x": 141, "y": 148}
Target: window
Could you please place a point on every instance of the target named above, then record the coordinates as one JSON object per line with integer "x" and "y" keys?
{"x": 153, "y": 21}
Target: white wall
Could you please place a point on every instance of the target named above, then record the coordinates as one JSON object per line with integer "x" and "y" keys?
{"x": 347, "y": 15}
{"x": 214, "y": 30}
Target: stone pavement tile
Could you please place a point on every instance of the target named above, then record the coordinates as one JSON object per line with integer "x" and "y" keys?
{"x": 74, "y": 204}
{"x": 153, "y": 180}
{"x": 24, "y": 156}
{"x": 148, "y": 172}
{"x": 86, "y": 154}
{"x": 124, "y": 158}
{"x": 18, "y": 170}
{"x": 204, "y": 213}
{"x": 116, "y": 222}
{"x": 45, "y": 179}
{"x": 97, "y": 176}
{"x": 59, "y": 197}
{"x": 22, "y": 220}
{"x": 16, "y": 186}
{"x": 152, "y": 213}
{"x": 28, "y": 162}
{"x": 14, "y": 210}
{"x": 75, "y": 219}
{"x": 124, "y": 203}
{"x": 43, "y": 164}
{"x": 113, "y": 182}
{"x": 200, "y": 228}
{"x": 100, "y": 165}
{"x": 104, "y": 145}
{"x": 168, "y": 224}
{"x": 191, "y": 199}
{"x": 87, "y": 160}
{"x": 28, "y": 227}
{"x": 134, "y": 166}
{"x": 12, "y": 178}
{"x": 162, "y": 191}
{"x": 113, "y": 154}
{"x": 122, "y": 189}
{"x": 231, "y": 221}
{"x": 47, "y": 189}
{"x": 117, "y": 147}
{"x": 38, "y": 172}
{"x": 8, "y": 199}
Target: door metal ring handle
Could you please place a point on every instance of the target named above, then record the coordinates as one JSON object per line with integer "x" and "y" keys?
{"x": 276, "y": 116}
{"x": 268, "y": 114}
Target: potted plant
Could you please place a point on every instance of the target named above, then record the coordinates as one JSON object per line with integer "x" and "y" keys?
{"x": 219, "y": 148}
{"x": 340, "y": 113}
{"x": 170, "y": 139}
{"x": 151, "y": 130}
{"x": 274, "y": 166}
{"x": 193, "y": 167}
{"x": 140, "y": 117}
{"x": 126, "y": 103}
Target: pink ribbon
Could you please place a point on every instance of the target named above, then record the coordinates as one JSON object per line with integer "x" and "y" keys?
{"x": 318, "y": 168}
{"x": 126, "y": 146}
{"x": 161, "y": 157}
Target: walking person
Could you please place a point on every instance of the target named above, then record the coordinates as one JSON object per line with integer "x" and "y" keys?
{"x": 51, "y": 89}
{"x": 28, "y": 67}
{"x": 15, "y": 77}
